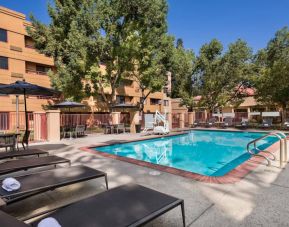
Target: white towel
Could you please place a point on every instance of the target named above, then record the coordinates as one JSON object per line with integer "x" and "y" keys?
{"x": 10, "y": 184}
{"x": 266, "y": 125}
{"x": 48, "y": 222}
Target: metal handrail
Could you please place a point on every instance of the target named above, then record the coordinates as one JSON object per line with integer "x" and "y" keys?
{"x": 280, "y": 138}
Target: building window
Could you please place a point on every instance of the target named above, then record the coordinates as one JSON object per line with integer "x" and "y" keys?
{"x": 3, "y": 62}
{"x": 3, "y": 35}
{"x": 29, "y": 43}
{"x": 42, "y": 69}
{"x": 166, "y": 102}
{"x": 155, "y": 101}
{"x": 120, "y": 99}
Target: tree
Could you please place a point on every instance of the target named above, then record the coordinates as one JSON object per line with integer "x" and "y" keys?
{"x": 220, "y": 78}
{"x": 138, "y": 46}
{"x": 182, "y": 70}
{"x": 74, "y": 41}
{"x": 272, "y": 70}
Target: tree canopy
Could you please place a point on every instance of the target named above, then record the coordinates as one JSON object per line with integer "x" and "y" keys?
{"x": 272, "y": 70}
{"x": 128, "y": 37}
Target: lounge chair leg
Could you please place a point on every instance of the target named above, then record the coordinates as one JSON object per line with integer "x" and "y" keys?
{"x": 106, "y": 183}
{"x": 183, "y": 214}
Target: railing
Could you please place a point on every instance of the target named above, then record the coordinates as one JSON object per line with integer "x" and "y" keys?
{"x": 283, "y": 147}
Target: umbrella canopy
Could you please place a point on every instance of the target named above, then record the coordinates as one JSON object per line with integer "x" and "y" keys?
{"x": 24, "y": 88}
{"x": 125, "y": 106}
{"x": 68, "y": 104}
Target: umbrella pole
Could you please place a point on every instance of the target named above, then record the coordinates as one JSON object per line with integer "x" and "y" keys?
{"x": 17, "y": 113}
{"x": 25, "y": 109}
{"x": 70, "y": 123}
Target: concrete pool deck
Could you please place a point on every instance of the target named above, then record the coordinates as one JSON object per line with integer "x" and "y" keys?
{"x": 261, "y": 198}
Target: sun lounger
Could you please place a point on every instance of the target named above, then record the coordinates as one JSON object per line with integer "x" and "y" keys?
{"x": 16, "y": 154}
{"x": 243, "y": 124}
{"x": 127, "y": 205}
{"x": 211, "y": 122}
{"x": 196, "y": 123}
{"x": 228, "y": 122}
{"x": 266, "y": 123}
{"x": 35, "y": 183}
{"x": 28, "y": 163}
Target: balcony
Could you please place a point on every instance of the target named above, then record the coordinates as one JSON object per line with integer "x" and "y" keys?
{"x": 29, "y": 71}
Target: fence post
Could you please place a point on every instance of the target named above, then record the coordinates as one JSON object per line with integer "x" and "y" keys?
{"x": 181, "y": 120}
{"x": 53, "y": 125}
{"x": 192, "y": 117}
{"x": 115, "y": 118}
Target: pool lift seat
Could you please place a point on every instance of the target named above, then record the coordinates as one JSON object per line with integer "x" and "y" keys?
{"x": 161, "y": 129}
{"x": 282, "y": 138}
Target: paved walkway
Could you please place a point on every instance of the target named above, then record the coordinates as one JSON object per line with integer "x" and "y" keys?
{"x": 260, "y": 199}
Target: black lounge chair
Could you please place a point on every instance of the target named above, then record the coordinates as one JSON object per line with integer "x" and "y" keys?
{"x": 267, "y": 123}
{"x": 211, "y": 122}
{"x": 196, "y": 123}
{"x": 29, "y": 163}
{"x": 228, "y": 122}
{"x": 7, "y": 220}
{"x": 127, "y": 205}
{"x": 243, "y": 124}
{"x": 16, "y": 154}
{"x": 36, "y": 183}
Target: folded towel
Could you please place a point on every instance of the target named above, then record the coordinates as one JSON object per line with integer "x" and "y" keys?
{"x": 48, "y": 222}
{"x": 10, "y": 184}
{"x": 266, "y": 125}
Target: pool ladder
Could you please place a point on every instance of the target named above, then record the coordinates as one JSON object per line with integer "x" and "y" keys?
{"x": 282, "y": 144}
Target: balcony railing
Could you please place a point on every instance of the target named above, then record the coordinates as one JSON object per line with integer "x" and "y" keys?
{"x": 30, "y": 46}
{"x": 29, "y": 71}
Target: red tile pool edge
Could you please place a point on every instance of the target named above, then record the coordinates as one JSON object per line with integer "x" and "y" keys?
{"x": 233, "y": 176}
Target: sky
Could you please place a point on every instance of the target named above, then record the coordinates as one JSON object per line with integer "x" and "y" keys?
{"x": 199, "y": 21}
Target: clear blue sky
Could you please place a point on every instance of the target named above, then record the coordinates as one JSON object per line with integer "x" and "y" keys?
{"x": 199, "y": 21}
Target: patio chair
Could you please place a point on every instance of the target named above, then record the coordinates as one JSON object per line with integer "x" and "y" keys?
{"x": 211, "y": 122}
{"x": 36, "y": 183}
{"x": 266, "y": 123}
{"x": 120, "y": 128}
{"x": 25, "y": 139}
{"x": 16, "y": 154}
{"x": 228, "y": 122}
{"x": 243, "y": 124}
{"x": 127, "y": 205}
{"x": 9, "y": 142}
{"x": 30, "y": 163}
{"x": 79, "y": 130}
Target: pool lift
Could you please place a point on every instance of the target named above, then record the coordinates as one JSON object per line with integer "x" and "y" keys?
{"x": 282, "y": 138}
{"x": 158, "y": 120}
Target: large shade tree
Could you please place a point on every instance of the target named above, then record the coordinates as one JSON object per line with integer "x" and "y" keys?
{"x": 221, "y": 77}
{"x": 272, "y": 70}
{"x": 127, "y": 37}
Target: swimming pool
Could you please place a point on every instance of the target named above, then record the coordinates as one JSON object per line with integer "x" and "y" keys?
{"x": 209, "y": 153}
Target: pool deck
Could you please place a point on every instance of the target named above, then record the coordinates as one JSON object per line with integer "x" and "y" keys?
{"x": 261, "y": 198}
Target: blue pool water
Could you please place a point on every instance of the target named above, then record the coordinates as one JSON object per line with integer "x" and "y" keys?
{"x": 210, "y": 153}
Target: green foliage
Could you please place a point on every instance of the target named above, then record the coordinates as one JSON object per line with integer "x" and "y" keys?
{"x": 272, "y": 70}
{"x": 73, "y": 39}
{"x": 220, "y": 78}
{"x": 182, "y": 70}
{"x": 128, "y": 37}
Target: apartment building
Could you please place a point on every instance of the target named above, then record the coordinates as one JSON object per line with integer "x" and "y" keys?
{"x": 19, "y": 60}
